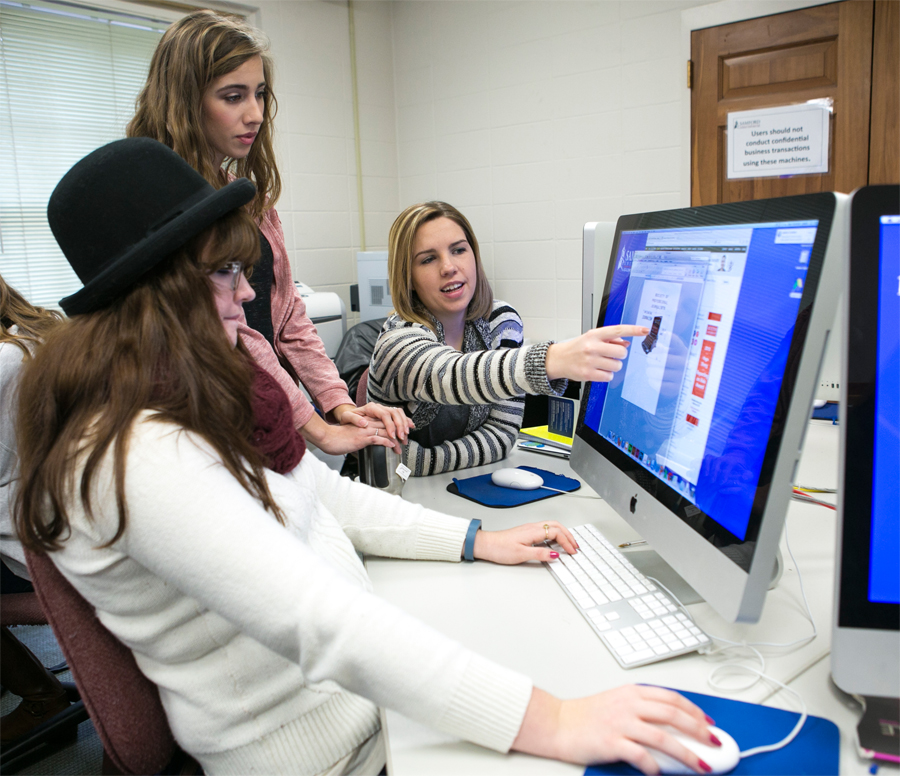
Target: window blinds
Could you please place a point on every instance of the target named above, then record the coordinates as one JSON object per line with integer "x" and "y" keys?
{"x": 70, "y": 76}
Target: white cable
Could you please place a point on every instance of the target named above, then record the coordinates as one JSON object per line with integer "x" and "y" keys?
{"x": 809, "y": 617}
{"x": 759, "y": 673}
{"x": 569, "y": 493}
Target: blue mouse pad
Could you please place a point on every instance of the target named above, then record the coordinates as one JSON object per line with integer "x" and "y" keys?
{"x": 815, "y": 750}
{"x": 481, "y": 490}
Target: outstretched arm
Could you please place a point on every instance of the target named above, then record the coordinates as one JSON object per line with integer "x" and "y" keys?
{"x": 410, "y": 363}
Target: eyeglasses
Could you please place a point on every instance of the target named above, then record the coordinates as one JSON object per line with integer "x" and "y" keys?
{"x": 228, "y": 275}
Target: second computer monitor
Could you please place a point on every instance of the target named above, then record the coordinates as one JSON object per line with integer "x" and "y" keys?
{"x": 695, "y": 440}
{"x": 865, "y": 657}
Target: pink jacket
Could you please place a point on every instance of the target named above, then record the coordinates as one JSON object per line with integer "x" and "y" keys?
{"x": 296, "y": 340}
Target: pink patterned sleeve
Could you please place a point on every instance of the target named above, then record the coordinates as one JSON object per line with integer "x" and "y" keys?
{"x": 296, "y": 339}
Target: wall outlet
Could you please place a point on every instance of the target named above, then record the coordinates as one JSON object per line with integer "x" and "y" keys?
{"x": 829, "y": 390}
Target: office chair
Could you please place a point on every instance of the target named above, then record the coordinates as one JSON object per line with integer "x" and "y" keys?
{"x": 355, "y": 352}
{"x": 24, "y": 609}
{"x": 122, "y": 703}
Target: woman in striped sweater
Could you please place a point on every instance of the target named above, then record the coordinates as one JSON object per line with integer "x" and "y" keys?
{"x": 451, "y": 355}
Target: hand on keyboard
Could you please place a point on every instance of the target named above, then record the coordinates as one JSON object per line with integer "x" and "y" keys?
{"x": 514, "y": 545}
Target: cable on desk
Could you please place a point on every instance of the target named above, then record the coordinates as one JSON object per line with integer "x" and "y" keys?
{"x": 569, "y": 492}
{"x": 801, "y": 495}
{"x": 757, "y": 673}
{"x": 812, "y": 489}
{"x": 800, "y": 722}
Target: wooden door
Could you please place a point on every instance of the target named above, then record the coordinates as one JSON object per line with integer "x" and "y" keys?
{"x": 884, "y": 136}
{"x": 813, "y": 53}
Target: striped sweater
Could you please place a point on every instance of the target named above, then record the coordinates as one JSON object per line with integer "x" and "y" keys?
{"x": 413, "y": 368}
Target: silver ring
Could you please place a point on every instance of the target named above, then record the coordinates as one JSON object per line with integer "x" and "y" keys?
{"x": 376, "y": 432}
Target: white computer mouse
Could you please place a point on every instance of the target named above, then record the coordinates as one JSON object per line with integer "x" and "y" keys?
{"x": 517, "y": 479}
{"x": 722, "y": 759}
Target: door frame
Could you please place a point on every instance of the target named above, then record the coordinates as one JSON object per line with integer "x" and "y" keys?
{"x": 714, "y": 15}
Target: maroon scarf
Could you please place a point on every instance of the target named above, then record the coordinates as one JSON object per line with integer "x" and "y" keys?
{"x": 274, "y": 435}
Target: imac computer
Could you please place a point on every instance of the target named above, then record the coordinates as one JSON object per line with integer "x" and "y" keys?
{"x": 695, "y": 441}
{"x": 596, "y": 245}
{"x": 865, "y": 657}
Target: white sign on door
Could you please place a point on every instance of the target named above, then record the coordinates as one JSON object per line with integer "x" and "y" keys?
{"x": 787, "y": 140}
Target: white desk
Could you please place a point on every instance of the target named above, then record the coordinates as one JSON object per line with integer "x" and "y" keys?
{"x": 520, "y": 617}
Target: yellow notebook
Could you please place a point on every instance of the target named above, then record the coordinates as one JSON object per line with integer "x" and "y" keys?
{"x": 542, "y": 434}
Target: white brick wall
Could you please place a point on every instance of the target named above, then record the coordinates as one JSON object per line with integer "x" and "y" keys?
{"x": 315, "y": 136}
{"x": 531, "y": 117}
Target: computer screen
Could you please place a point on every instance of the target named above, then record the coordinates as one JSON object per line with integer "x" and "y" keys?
{"x": 884, "y": 547}
{"x": 694, "y": 441}
{"x": 866, "y": 653}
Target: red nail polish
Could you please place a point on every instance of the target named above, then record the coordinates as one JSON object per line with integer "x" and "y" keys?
{"x": 705, "y": 767}
{"x": 554, "y": 554}
{"x": 709, "y": 720}
{"x": 716, "y": 741}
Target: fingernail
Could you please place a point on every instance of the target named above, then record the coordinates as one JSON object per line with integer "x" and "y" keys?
{"x": 705, "y": 767}
{"x": 716, "y": 741}
{"x": 554, "y": 554}
{"x": 709, "y": 719}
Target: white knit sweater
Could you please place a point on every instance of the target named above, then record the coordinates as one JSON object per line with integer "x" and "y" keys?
{"x": 269, "y": 649}
{"x": 11, "y": 361}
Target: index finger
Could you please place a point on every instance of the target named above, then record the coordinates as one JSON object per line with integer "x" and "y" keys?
{"x": 402, "y": 422}
{"x": 683, "y": 710}
{"x": 352, "y": 418}
{"x": 388, "y": 419}
{"x": 623, "y": 330}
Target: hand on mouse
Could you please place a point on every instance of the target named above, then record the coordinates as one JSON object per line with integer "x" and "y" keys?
{"x": 514, "y": 545}
{"x": 594, "y": 356}
{"x": 611, "y": 726}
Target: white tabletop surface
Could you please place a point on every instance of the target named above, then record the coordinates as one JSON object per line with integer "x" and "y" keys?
{"x": 520, "y": 617}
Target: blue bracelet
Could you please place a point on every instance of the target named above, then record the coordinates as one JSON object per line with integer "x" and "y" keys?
{"x": 469, "y": 546}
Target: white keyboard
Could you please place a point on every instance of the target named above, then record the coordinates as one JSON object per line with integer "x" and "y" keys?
{"x": 637, "y": 621}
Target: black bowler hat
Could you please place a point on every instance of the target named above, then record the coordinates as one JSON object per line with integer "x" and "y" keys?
{"x": 125, "y": 207}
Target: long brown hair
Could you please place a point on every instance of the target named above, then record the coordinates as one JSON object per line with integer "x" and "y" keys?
{"x": 194, "y": 52}
{"x": 401, "y": 242}
{"x": 32, "y": 323}
{"x": 159, "y": 347}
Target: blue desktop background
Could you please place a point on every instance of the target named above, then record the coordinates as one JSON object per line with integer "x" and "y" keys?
{"x": 751, "y": 381}
{"x": 884, "y": 566}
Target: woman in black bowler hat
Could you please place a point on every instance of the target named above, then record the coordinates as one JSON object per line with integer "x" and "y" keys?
{"x": 161, "y": 471}
{"x": 209, "y": 96}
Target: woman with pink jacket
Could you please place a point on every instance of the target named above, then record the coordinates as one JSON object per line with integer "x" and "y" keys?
{"x": 209, "y": 97}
